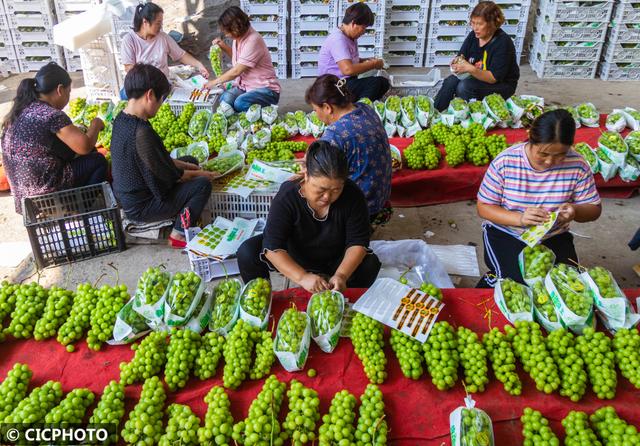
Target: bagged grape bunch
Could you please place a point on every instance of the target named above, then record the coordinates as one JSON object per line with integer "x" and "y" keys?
{"x": 262, "y": 138}
{"x": 424, "y": 110}
{"x": 535, "y": 262}
{"x": 470, "y": 426}
{"x": 409, "y": 119}
{"x": 254, "y": 113}
{"x": 614, "y": 146}
{"x": 225, "y": 163}
{"x": 613, "y": 307}
{"x": 198, "y": 124}
{"x": 292, "y": 339}
{"x": 225, "y": 109}
{"x": 235, "y": 137}
{"x": 148, "y": 300}
{"x": 379, "y": 107}
{"x": 225, "y": 306}
{"x": 520, "y": 106}
{"x": 215, "y": 57}
{"x": 477, "y": 111}
{"x": 633, "y": 143}
{"x": 302, "y": 123}
{"x": 631, "y": 170}
{"x": 316, "y": 126}
{"x": 255, "y": 303}
{"x": 459, "y": 108}
{"x": 390, "y": 129}
{"x": 392, "y": 109}
{"x": 201, "y": 315}
{"x": 632, "y": 117}
{"x": 270, "y": 114}
{"x": 588, "y": 114}
{"x": 571, "y": 297}
{"x": 514, "y": 300}
{"x": 589, "y": 156}
{"x": 326, "y": 311}
{"x": 616, "y": 122}
{"x": 543, "y": 309}
{"x": 183, "y": 296}
{"x": 497, "y": 108}
{"x": 290, "y": 124}
{"x": 608, "y": 169}
{"x": 129, "y": 325}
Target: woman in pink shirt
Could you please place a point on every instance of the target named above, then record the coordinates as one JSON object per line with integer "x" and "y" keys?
{"x": 254, "y": 78}
{"x": 146, "y": 43}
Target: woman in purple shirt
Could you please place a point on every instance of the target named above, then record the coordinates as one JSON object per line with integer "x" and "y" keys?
{"x": 339, "y": 55}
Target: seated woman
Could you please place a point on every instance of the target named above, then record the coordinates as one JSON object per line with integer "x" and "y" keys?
{"x": 148, "y": 44}
{"x": 42, "y": 151}
{"x": 317, "y": 226}
{"x": 339, "y": 55}
{"x": 526, "y": 182}
{"x": 357, "y": 131}
{"x": 488, "y": 59}
{"x": 149, "y": 185}
{"x": 255, "y": 80}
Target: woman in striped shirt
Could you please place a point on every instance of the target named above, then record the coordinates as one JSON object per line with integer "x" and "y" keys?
{"x": 524, "y": 184}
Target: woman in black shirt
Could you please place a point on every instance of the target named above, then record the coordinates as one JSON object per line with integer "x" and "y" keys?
{"x": 317, "y": 226}
{"x": 150, "y": 185}
{"x": 488, "y": 59}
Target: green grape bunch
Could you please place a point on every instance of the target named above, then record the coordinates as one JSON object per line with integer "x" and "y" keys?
{"x": 152, "y": 285}
{"x": 613, "y": 141}
{"x": 612, "y": 429}
{"x": 605, "y": 282}
{"x": 182, "y": 427}
{"x": 498, "y": 106}
{"x": 408, "y": 104}
{"x": 579, "y": 433}
{"x": 237, "y": 353}
{"x": 265, "y": 355}
{"x": 515, "y": 296}
{"x": 440, "y": 133}
{"x": 496, "y": 144}
{"x": 215, "y": 57}
{"x": 441, "y": 355}
{"x": 148, "y": 361}
{"x": 261, "y": 427}
{"x": 562, "y": 345}
{"x": 337, "y": 425}
{"x": 304, "y": 414}
{"x": 76, "y": 107}
{"x": 144, "y": 425}
{"x": 409, "y": 354}
{"x": 14, "y": 388}
{"x": 35, "y": 407}
{"x": 199, "y": 122}
{"x": 626, "y": 347}
{"x": 458, "y": 104}
{"x": 477, "y": 153}
{"x": 602, "y": 156}
{"x": 256, "y": 297}
{"x": 587, "y": 111}
{"x": 103, "y": 317}
{"x": 182, "y": 292}
{"x": 31, "y": 300}
{"x": 423, "y": 104}
{"x": 279, "y": 133}
{"x": 209, "y": 355}
{"x": 7, "y": 298}
{"x": 291, "y": 328}
{"x": 455, "y": 152}
{"x": 543, "y": 302}
{"x": 182, "y": 352}
{"x": 110, "y": 408}
{"x": 325, "y": 312}
{"x": 372, "y": 427}
{"x": 367, "y": 337}
{"x": 536, "y": 430}
{"x": 79, "y": 320}
{"x": 596, "y": 351}
{"x": 218, "y": 420}
{"x": 538, "y": 261}
{"x": 72, "y": 408}
{"x": 633, "y": 142}
{"x": 503, "y": 360}
{"x": 530, "y": 347}
{"x": 225, "y": 302}
{"x": 475, "y": 427}
{"x": 587, "y": 153}
{"x": 473, "y": 358}
{"x": 394, "y": 104}
{"x": 477, "y": 107}
{"x": 572, "y": 289}
{"x": 56, "y": 311}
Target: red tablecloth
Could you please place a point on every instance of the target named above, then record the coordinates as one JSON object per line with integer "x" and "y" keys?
{"x": 447, "y": 185}
{"x": 417, "y": 412}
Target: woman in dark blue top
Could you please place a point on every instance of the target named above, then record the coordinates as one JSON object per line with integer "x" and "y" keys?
{"x": 489, "y": 60}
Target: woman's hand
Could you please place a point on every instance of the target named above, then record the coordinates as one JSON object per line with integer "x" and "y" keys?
{"x": 534, "y": 217}
{"x": 462, "y": 66}
{"x": 203, "y": 71}
{"x": 213, "y": 83}
{"x": 338, "y": 283}
{"x": 313, "y": 283}
{"x": 566, "y": 214}
{"x": 96, "y": 125}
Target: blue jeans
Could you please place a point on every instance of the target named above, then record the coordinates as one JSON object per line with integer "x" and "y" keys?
{"x": 241, "y": 100}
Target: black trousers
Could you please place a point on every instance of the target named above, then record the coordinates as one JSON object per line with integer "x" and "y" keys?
{"x": 251, "y": 266}
{"x": 470, "y": 88}
{"x": 373, "y": 87}
{"x": 501, "y": 252}
{"x": 89, "y": 169}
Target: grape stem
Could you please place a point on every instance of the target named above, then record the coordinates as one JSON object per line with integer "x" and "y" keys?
{"x": 376, "y": 427}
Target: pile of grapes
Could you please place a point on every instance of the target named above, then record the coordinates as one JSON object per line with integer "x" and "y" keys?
{"x": 409, "y": 354}
{"x": 536, "y": 430}
{"x": 576, "y": 425}
{"x": 626, "y": 347}
{"x": 503, "y": 360}
{"x": 573, "y": 378}
{"x": 595, "y": 348}
{"x": 612, "y": 429}
{"x": 473, "y": 358}
{"x": 441, "y": 355}
{"x": 367, "y": 337}
{"x": 572, "y": 289}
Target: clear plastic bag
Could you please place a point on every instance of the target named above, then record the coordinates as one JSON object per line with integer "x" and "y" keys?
{"x": 290, "y": 124}
{"x": 458, "y": 107}
{"x": 408, "y": 106}
{"x": 255, "y": 302}
{"x": 470, "y": 426}
{"x": 608, "y": 169}
{"x": 270, "y": 114}
{"x": 613, "y": 306}
{"x": 616, "y": 121}
{"x": 148, "y": 299}
{"x": 544, "y": 310}
{"x": 198, "y": 124}
{"x": 535, "y": 262}
{"x": 225, "y": 163}
{"x": 262, "y": 138}
{"x": 477, "y": 111}
{"x": 217, "y": 124}
{"x": 392, "y": 109}
{"x": 497, "y": 108}
{"x": 326, "y": 311}
{"x": 588, "y": 114}
{"x": 254, "y": 113}
{"x": 293, "y": 337}
{"x": 570, "y": 296}
{"x": 225, "y": 109}
{"x": 514, "y": 300}
{"x": 215, "y": 57}
{"x": 632, "y": 117}
{"x": 183, "y": 296}
{"x": 315, "y": 125}
{"x": 303, "y": 123}
{"x": 129, "y": 326}
{"x": 589, "y": 155}
{"x": 614, "y": 146}
{"x": 390, "y": 129}
{"x": 631, "y": 169}
{"x": 633, "y": 143}
{"x": 380, "y": 109}
{"x": 225, "y": 306}
{"x": 424, "y": 110}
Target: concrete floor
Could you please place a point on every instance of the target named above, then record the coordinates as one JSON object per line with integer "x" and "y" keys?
{"x": 604, "y": 241}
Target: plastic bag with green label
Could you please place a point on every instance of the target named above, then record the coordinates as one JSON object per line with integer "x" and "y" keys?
{"x": 543, "y": 309}
{"x": 470, "y": 426}
{"x": 315, "y": 125}
{"x": 459, "y": 108}
{"x": 392, "y": 109}
{"x": 380, "y": 109}
{"x": 571, "y": 297}
{"x": 183, "y": 296}
{"x": 270, "y": 114}
{"x": 225, "y": 308}
{"x": 290, "y": 124}
{"x": 477, "y": 111}
{"x": 608, "y": 169}
{"x": 612, "y": 305}
{"x": 148, "y": 299}
{"x": 424, "y": 110}
{"x": 255, "y": 303}
{"x": 225, "y": 163}
{"x": 616, "y": 121}
{"x": 129, "y": 326}
{"x": 514, "y": 300}
{"x": 633, "y": 143}
{"x": 631, "y": 170}
{"x": 588, "y": 114}
{"x": 198, "y": 124}
{"x": 326, "y": 311}
{"x": 254, "y": 113}
{"x": 535, "y": 262}
{"x": 201, "y": 314}
{"x": 292, "y": 341}
{"x": 632, "y": 117}
{"x": 614, "y": 146}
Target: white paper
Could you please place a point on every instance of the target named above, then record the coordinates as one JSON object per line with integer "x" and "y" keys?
{"x": 401, "y": 307}
{"x": 461, "y": 260}
{"x": 262, "y": 171}
{"x": 236, "y": 233}
{"x": 13, "y": 253}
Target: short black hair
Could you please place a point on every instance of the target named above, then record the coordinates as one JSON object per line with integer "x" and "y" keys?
{"x": 142, "y": 78}
{"x": 326, "y": 160}
{"x": 556, "y": 126}
{"x": 360, "y": 14}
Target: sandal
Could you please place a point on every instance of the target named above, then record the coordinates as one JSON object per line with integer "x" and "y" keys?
{"x": 177, "y": 244}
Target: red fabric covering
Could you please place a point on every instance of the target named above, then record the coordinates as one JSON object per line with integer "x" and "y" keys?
{"x": 447, "y": 185}
{"x": 418, "y": 414}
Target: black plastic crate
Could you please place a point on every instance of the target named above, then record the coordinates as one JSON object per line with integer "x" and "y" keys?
{"x": 74, "y": 224}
